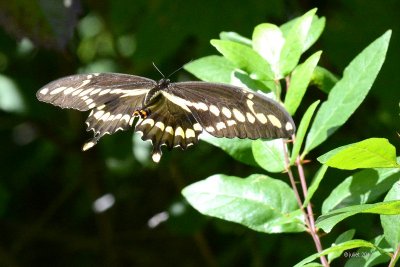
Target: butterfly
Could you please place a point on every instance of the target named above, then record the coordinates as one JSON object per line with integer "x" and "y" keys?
{"x": 166, "y": 113}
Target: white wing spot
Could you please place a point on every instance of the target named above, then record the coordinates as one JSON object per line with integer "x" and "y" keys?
{"x": 210, "y": 129}
{"x": 261, "y": 117}
{"x": 95, "y": 91}
{"x": 226, "y": 112}
{"x": 149, "y": 122}
{"x": 88, "y": 145}
{"x": 288, "y": 126}
{"x": 125, "y": 118}
{"x": 156, "y": 157}
{"x": 89, "y": 76}
{"x": 57, "y": 90}
{"x": 111, "y": 118}
{"x": 103, "y": 92}
{"x": 250, "y": 104}
{"x": 92, "y": 105}
{"x": 220, "y": 125}
{"x": 84, "y": 83}
{"x": 69, "y": 90}
{"x": 177, "y": 101}
{"x": 86, "y": 92}
{"x": 118, "y": 116}
{"x": 197, "y": 127}
{"x": 250, "y": 96}
{"x": 231, "y": 122}
{"x": 101, "y": 107}
{"x": 76, "y": 92}
{"x": 98, "y": 114}
{"x": 214, "y": 110}
{"x": 105, "y": 116}
{"x": 88, "y": 101}
{"x": 275, "y": 121}
{"x": 160, "y": 125}
{"x": 44, "y": 91}
{"x": 131, "y": 121}
{"x": 179, "y": 131}
{"x": 200, "y": 106}
{"x": 169, "y": 130}
{"x": 190, "y": 133}
{"x": 250, "y": 117}
{"x": 238, "y": 115}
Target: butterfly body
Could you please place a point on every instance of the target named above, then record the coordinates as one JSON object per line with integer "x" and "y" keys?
{"x": 170, "y": 114}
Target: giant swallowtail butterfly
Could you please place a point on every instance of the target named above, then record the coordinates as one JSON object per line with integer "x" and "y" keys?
{"x": 171, "y": 114}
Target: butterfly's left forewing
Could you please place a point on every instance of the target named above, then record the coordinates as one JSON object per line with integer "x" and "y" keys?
{"x": 111, "y": 97}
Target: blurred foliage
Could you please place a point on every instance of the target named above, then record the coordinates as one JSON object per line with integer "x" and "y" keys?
{"x": 48, "y": 186}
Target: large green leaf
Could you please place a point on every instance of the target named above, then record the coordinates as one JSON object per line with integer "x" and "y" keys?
{"x": 268, "y": 42}
{"x": 295, "y": 43}
{"x": 369, "y": 153}
{"x": 244, "y": 58}
{"x": 343, "y": 237}
{"x": 391, "y": 223}
{"x": 299, "y": 81}
{"x": 349, "y": 92}
{"x": 368, "y": 257}
{"x": 211, "y": 69}
{"x": 269, "y": 155}
{"x": 323, "y": 79}
{"x": 317, "y": 26}
{"x": 362, "y": 187}
{"x": 235, "y": 37}
{"x": 330, "y": 219}
{"x": 356, "y": 243}
{"x": 257, "y": 202}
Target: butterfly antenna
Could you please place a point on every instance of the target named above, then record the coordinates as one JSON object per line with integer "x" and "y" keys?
{"x": 162, "y": 74}
{"x": 178, "y": 69}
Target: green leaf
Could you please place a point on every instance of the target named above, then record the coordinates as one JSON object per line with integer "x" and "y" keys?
{"x": 362, "y": 187}
{"x": 269, "y": 155}
{"x": 295, "y": 43}
{"x": 299, "y": 81}
{"x": 323, "y": 79}
{"x": 330, "y": 219}
{"x": 369, "y": 153}
{"x": 317, "y": 27}
{"x": 239, "y": 149}
{"x": 356, "y": 243}
{"x": 349, "y": 92}
{"x": 390, "y": 223}
{"x": 368, "y": 257}
{"x": 235, "y": 37}
{"x": 343, "y": 237}
{"x": 301, "y": 131}
{"x": 257, "y": 202}
{"x": 268, "y": 42}
{"x": 315, "y": 184}
{"x": 211, "y": 69}
{"x": 244, "y": 58}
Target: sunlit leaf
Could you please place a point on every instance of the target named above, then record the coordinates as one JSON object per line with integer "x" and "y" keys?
{"x": 257, "y": 202}
{"x": 369, "y": 153}
{"x": 349, "y": 92}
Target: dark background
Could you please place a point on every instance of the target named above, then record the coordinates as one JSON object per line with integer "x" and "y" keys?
{"x": 48, "y": 186}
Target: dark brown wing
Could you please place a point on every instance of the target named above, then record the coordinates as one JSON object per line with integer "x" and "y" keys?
{"x": 113, "y": 98}
{"x": 229, "y": 111}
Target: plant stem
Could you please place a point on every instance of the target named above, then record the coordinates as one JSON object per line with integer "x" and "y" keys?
{"x": 395, "y": 257}
{"x": 308, "y": 215}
